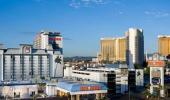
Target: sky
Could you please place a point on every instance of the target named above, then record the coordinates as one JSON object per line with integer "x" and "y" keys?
{"x": 82, "y": 22}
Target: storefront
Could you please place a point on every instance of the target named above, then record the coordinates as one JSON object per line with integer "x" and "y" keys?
{"x": 78, "y": 90}
{"x": 18, "y": 90}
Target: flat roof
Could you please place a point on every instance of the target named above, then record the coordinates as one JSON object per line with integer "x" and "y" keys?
{"x": 106, "y": 68}
{"x": 112, "y": 38}
{"x": 74, "y": 86}
{"x": 16, "y": 83}
{"x": 161, "y": 36}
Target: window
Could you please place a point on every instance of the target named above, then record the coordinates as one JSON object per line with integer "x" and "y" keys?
{"x": 14, "y": 94}
{"x": 32, "y": 93}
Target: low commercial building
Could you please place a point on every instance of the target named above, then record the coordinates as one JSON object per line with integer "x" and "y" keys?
{"x": 77, "y": 90}
{"x": 18, "y": 90}
{"x": 51, "y": 88}
{"x": 81, "y": 90}
{"x": 117, "y": 77}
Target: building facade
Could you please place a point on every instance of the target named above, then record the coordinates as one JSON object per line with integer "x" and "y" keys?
{"x": 116, "y": 78}
{"x": 113, "y": 49}
{"x": 18, "y": 90}
{"x": 44, "y": 60}
{"x": 49, "y": 41}
{"x": 157, "y": 66}
{"x": 75, "y": 89}
{"x": 26, "y": 63}
{"x": 164, "y": 45}
{"x": 135, "y": 46}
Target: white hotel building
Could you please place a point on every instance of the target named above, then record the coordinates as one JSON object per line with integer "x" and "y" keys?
{"x": 27, "y": 63}
{"x": 120, "y": 76}
{"x": 135, "y": 47}
{"x": 116, "y": 75}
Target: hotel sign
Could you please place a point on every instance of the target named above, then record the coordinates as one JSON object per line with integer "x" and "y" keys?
{"x": 156, "y": 76}
{"x": 27, "y": 49}
{"x": 55, "y": 39}
{"x": 89, "y": 88}
{"x": 156, "y": 73}
{"x": 158, "y": 63}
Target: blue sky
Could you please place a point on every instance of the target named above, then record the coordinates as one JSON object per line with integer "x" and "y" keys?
{"x": 82, "y": 22}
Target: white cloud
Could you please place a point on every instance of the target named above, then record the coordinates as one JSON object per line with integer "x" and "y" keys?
{"x": 100, "y": 1}
{"x": 157, "y": 13}
{"x": 74, "y": 4}
{"x": 92, "y": 3}
{"x": 87, "y": 3}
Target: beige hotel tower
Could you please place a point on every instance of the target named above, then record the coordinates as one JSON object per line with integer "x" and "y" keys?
{"x": 112, "y": 49}
{"x": 164, "y": 45}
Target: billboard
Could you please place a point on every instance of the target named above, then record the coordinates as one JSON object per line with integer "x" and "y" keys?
{"x": 139, "y": 77}
{"x": 156, "y": 76}
{"x": 90, "y": 88}
{"x": 58, "y": 65}
{"x": 56, "y": 42}
{"x": 26, "y": 49}
{"x": 153, "y": 63}
{"x": 156, "y": 80}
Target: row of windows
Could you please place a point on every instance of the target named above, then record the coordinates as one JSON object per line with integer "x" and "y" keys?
{"x": 81, "y": 73}
{"x": 28, "y": 73}
{"x": 43, "y": 59}
{"x": 13, "y": 77}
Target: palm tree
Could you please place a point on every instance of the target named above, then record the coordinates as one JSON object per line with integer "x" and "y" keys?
{"x": 58, "y": 60}
{"x": 41, "y": 87}
{"x": 147, "y": 93}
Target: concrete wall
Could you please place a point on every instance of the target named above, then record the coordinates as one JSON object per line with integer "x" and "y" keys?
{"x": 24, "y": 90}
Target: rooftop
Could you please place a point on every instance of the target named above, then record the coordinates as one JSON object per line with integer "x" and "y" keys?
{"x": 51, "y": 33}
{"x": 72, "y": 85}
{"x": 163, "y": 36}
{"x": 112, "y": 38}
{"x": 14, "y": 83}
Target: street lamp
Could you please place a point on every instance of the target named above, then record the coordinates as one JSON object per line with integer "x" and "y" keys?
{"x": 129, "y": 92}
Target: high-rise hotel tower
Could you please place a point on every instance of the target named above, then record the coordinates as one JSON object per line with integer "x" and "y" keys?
{"x": 135, "y": 46}
{"x": 49, "y": 41}
{"x": 43, "y": 61}
{"x": 113, "y": 49}
{"x": 164, "y": 45}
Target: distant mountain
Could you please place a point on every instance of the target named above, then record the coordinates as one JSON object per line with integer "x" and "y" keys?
{"x": 78, "y": 58}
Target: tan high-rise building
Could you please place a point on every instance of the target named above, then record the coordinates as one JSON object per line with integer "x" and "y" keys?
{"x": 164, "y": 45}
{"x": 113, "y": 49}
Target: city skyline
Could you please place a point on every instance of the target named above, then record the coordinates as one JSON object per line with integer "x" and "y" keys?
{"x": 83, "y": 22}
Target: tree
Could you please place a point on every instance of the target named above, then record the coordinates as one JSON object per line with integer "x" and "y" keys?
{"x": 41, "y": 87}
{"x": 104, "y": 98}
{"x": 137, "y": 66}
{"x": 146, "y": 93}
{"x": 168, "y": 64}
{"x": 58, "y": 60}
{"x": 147, "y": 70}
{"x": 168, "y": 56}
